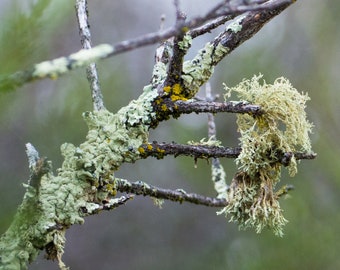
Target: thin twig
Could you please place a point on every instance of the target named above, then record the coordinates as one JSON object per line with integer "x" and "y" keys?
{"x": 108, "y": 205}
{"x": 60, "y": 66}
{"x": 38, "y": 166}
{"x": 166, "y": 107}
{"x": 91, "y": 70}
{"x": 218, "y": 174}
{"x": 199, "y": 150}
{"x": 206, "y": 28}
{"x": 178, "y": 195}
{"x": 178, "y": 52}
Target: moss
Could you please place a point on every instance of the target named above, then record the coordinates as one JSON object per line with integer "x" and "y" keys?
{"x": 282, "y": 128}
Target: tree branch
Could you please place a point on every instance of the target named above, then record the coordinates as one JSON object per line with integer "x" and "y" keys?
{"x": 201, "y": 151}
{"x": 160, "y": 150}
{"x": 218, "y": 175}
{"x": 178, "y": 195}
{"x": 91, "y": 70}
{"x": 199, "y": 70}
{"x": 85, "y": 183}
{"x": 62, "y": 65}
{"x": 166, "y": 107}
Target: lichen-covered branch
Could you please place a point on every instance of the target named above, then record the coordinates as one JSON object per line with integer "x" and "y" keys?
{"x": 62, "y": 65}
{"x": 85, "y": 184}
{"x": 206, "y": 150}
{"x": 160, "y": 150}
{"x": 198, "y": 71}
{"x": 166, "y": 107}
{"x": 218, "y": 175}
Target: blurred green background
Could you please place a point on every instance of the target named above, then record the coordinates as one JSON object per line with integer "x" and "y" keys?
{"x": 302, "y": 44}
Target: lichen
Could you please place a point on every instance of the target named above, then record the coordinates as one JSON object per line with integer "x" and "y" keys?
{"x": 61, "y": 65}
{"x": 210, "y": 142}
{"x": 83, "y": 183}
{"x": 185, "y": 43}
{"x": 198, "y": 71}
{"x": 236, "y": 25}
{"x": 175, "y": 92}
{"x": 282, "y": 128}
{"x": 218, "y": 177}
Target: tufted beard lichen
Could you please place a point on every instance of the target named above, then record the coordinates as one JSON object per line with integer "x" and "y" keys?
{"x": 283, "y": 127}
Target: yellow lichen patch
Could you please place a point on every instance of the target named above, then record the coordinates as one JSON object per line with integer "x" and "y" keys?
{"x": 185, "y": 29}
{"x": 282, "y": 128}
{"x": 176, "y": 92}
{"x": 176, "y": 97}
{"x": 167, "y": 89}
{"x": 149, "y": 147}
{"x": 160, "y": 153}
{"x": 164, "y": 108}
{"x": 110, "y": 188}
{"x": 177, "y": 89}
{"x": 141, "y": 150}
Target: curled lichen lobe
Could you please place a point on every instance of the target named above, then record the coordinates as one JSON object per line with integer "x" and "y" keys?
{"x": 282, "y": 128}
{"x": 253, "y": 204}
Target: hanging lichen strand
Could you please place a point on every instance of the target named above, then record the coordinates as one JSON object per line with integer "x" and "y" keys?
{"x": 283, "y": 128}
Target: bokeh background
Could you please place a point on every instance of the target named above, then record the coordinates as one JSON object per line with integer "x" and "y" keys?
{"x": 301, "y": 44}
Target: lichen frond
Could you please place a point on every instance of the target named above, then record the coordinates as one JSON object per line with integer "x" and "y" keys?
{"x": 282, "y": 128}
{"x": 252, "y": 203}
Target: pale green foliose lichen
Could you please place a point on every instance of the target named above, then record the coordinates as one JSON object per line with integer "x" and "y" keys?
{"x": 81, "y": 58}
{"x": 210, "y": 142}
{"x": 282, "y": 128}
{"x": 185, "y": 43}
{"x": 218, "y": 177}
{"x": 84, "y": 181}
{"x": 158, "y": 75}
{"x": 236, "y": 25}
{"x": 198, "y": 70}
